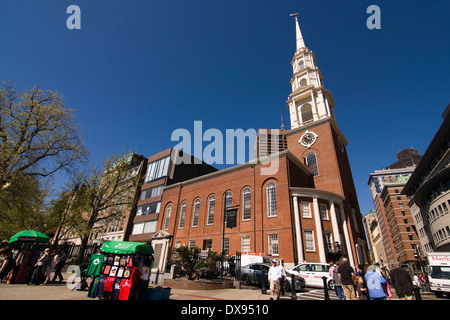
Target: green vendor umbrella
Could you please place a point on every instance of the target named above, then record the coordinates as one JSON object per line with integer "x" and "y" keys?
{"x": 30, "y": 236}
{"x": 125, "y": 247}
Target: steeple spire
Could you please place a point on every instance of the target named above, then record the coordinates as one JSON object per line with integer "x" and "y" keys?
{"x": 298, "y": 33}
{"x": 309, "y": 101}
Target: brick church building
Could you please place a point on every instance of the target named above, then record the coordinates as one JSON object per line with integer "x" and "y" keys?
{"x": 306, "y": 209}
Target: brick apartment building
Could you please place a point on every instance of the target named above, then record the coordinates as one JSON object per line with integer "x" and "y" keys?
{"x": 401, "y": 224}
{"x": 394, "y": 217}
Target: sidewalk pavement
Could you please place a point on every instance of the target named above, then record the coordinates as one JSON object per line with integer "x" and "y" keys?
{"x": 60, "y": 291}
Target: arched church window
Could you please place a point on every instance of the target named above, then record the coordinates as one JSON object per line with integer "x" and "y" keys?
{"x": 311, "y": 162}
{"x": 301, "y": 64}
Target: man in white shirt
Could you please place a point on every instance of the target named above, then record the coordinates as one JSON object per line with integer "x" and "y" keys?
{"x": 275, "y": 274}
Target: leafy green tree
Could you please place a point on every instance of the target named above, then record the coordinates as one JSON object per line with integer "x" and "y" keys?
{"x": 102, "y": 195}
{"x": 22, "y": 207}
{"x": 37, "y": 135}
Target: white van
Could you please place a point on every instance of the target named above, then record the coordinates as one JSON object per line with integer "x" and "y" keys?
{"x": 439, "y": 273}
{"x": 313, "y": 274}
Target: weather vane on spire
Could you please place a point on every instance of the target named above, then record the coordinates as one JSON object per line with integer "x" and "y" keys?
{"x": 300, "y": 42}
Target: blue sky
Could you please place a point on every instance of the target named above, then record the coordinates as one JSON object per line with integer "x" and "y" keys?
{"x": 137, "y": 70}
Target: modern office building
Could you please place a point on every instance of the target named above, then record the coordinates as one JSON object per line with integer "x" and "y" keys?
{"x": 163, "y": 169}
{"x": 429, "y": 189}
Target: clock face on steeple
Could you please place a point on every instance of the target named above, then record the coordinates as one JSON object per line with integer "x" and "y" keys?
{"x": 308, "y": 139}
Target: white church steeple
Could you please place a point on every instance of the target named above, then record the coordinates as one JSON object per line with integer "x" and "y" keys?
{"x": 298, "y": 33}
{"x": 309, "y": 100}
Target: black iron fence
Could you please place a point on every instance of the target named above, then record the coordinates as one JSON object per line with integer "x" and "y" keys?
{"x": 225, "y": 270}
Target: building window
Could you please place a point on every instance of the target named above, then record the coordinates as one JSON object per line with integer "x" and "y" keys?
{"x": 166, "y": 222}
{"x": 182, "y": 215}
{"x": 271, "y": 200}
{"x": 157, "y": 169}
{"x": 144, "y": 227}
{"x": 245, "y": 244}
{"x": 246, "y": 204}
{"x": 152, "y": 192}
{"x": 228, "y": 199}
{"x": 196, "y": 213}
{"x": 301, "y": 64}
{"x": 309, "y": 240}
{"x": 211, "y": 205}
{"x": 328, "y": 241}
{"x": 306, "y": 210}
{"x": 307, "y": 114}
{"x": 273, "y": 244}
{"x": 323, "y": 211}
{"x": 191, "y": 244}
{"x": 311, "y": 162}
{"x": 148, "y": 209}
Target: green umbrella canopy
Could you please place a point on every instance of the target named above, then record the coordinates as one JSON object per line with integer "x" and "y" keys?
{"x": 125, "y": 247}
{"x": 31, "y": 236}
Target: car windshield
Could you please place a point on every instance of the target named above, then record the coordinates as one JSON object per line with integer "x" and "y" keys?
{"x": 440, "y": 272}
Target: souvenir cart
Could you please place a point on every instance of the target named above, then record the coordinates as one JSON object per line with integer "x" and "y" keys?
{"x": 120, "y": 270}
{"x": 27, "y": 246}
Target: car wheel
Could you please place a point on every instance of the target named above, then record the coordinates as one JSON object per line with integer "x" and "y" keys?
{"x": 245, "y": 279}
{"x": 286, "y": 286}
{"x": 330, "y": 285}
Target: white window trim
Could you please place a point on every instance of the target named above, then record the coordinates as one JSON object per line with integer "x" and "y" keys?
{"x": 303, "y": 213}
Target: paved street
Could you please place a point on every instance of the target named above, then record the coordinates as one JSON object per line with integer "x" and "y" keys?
{"x": 60, "y": 291}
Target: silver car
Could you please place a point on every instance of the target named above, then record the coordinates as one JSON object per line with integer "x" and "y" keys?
{"x": 300, "y": 283}
{"x": 252, "y": 273}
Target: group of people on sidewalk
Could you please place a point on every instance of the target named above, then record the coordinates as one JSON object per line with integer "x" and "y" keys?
{"x": 45, "y": 264}
{"x": 370, "y": 285}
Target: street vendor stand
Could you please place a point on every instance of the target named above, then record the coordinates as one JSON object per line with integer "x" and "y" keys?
{"x": 27, "y": 246}
{"x": 120, "y": 270}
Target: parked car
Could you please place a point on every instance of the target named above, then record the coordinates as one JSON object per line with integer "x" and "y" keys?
{"x": 313, "y": 274}
{"x": 300, "y": 282}
{"x": 252, "y": 273}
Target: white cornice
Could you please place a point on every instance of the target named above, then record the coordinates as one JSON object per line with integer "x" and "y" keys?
{"x": 316, "y": 193}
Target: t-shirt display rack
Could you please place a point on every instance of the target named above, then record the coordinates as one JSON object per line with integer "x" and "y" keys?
{"x": 119, "y": 276}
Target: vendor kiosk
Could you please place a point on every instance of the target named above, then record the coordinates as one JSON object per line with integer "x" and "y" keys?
{"x": 120, "y": 270}
{"x": 27, "y": 247}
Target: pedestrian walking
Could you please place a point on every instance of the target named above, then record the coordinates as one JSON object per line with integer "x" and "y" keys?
{"x": 337, "y": 282}
{"x": 375, "y": 282}
{"x": 283, "y": 276}
{"x": 8, "y": 264}
{"x": 274, "y": 279}
{"x": 402, "y": 283}
{"x": 346, "y": 274}
{"x": 362, "y": 292}
{"x": 39, "y": 267}
{"x": 54, "y": 258}
{"x": 59, "y": 266}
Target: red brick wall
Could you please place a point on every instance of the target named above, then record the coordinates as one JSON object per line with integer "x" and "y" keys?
{"x": 235, "y": 181}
